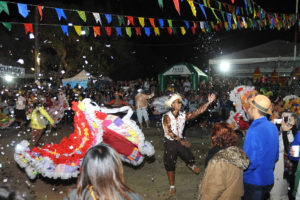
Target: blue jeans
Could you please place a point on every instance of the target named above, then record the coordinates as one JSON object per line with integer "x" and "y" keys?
{"x": 256, "y": 192}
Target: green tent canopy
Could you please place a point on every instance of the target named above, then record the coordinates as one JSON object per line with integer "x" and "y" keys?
{"x": 182, "y": 69}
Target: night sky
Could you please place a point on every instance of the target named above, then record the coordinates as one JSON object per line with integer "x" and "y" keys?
{"x": 154, "y": 54}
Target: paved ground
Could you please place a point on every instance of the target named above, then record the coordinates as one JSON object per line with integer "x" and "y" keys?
{"x": 149, "y": 179}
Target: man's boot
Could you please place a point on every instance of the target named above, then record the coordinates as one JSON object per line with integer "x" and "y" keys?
{"x": 171, "y": 177}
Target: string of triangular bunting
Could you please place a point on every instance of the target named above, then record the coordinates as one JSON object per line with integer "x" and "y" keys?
{"x": 239, "y": 22}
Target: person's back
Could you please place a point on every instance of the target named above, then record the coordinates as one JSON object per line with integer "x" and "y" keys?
{"x": 262, "y": 146}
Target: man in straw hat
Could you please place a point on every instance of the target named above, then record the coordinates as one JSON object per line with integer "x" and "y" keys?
{"x": 262, "y": 147}
{"x": 175, "y": 144}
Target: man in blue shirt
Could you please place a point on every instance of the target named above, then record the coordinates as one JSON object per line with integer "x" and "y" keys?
{"x": 262, "y": 147}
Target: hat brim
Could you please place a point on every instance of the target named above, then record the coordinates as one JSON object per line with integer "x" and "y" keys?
{"x": 262, "y": 110}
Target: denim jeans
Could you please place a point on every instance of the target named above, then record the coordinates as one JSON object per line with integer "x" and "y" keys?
{"x": 256, "y": 192}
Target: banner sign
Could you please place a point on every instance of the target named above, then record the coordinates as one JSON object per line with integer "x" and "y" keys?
{"x": 13, "y": 71}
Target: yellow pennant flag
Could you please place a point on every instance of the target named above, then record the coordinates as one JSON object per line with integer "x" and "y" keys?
{"x": 254, "y": 12}
{"x": 78, "y": 30}
{"x": 234, "y": 19}
{"x": 183, "y": 31}
{"x": 203, "y": 30}
{"x": 156, "y": 31}
{"x": 193, "y": 8}
{"x": 142, "y": 21}
{"x": 233, "y": 26}
{"x": 226, "y": 25}
{"x": 208, "y": 3}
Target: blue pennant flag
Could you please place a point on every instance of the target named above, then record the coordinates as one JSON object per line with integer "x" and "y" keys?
{"x": 202, "y": 8}
{"x": 237, "y": 11}
{"x": 64, "y": 28}
{"x": 246, "y": 4}
{"x": 147, "y": 31}
{"x": 23, "y": 9}
{"x": 119, "y": 31}
{"x": 272, "y": 22}
{"x": 262, "y": 14}
{"x": 161, "y": 22}
{"x": 60, "y": 13}
{"x": 108, "y": 17}
{"x": 255, "y": 24}
{"x": 238, "y": 26}
{"x": 187, "y": 24}
{"x": 229, "y": 20}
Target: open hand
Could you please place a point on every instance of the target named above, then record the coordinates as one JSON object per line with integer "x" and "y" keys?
{"x": 211, "y": 98}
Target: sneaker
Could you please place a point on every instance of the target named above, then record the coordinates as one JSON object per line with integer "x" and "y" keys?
{"x": 194, "y": 168}
{"x": 172, "y": 191}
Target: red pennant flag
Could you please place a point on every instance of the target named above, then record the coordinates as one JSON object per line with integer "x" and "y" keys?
{"x": 232, "y": 1}
{"x": 193, "y": 30}
{"x": 241, "y": 24}
{"x": 195, "y": 24}
{"x": 220, "y": 24}
{"x": 96, "y": 31}
{"x": 138, "y": 31}
{"x": 41, "y": 12}
{"x": 176, "y": 3}
{"x": 230, "y": 8}
{"x": 108, "y": 30}
{"x": 152, "y": 22}
{"x": 170, "y": 30}
{"x": 28, "y": 28}
{"x": 216, "y": 28}
{"x": 130, "y": 20}
{"x": 225, "y": 5}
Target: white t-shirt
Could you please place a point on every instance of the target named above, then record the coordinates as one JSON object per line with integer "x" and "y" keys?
{"x": 186, "y": 86}
{"x": 21, "y": 103}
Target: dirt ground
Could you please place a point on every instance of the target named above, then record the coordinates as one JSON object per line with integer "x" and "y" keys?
{"x": 149, "y": 179}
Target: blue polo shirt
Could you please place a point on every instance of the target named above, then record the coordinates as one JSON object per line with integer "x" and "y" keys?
{"x": 262, "y": 147}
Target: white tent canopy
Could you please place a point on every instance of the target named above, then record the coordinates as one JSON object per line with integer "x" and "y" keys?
{"x": 277, "y": 54}
{"x": 82, "y": 76}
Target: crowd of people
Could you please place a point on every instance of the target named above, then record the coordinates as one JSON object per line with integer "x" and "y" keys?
{"x": 231, "y": 172}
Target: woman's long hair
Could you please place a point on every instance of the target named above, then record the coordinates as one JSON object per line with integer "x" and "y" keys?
{"x": 103, "y": 170}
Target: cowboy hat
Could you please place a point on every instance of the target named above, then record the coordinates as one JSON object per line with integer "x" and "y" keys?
{"x": 262, "y": 103}
{"x": 172, "y": 99}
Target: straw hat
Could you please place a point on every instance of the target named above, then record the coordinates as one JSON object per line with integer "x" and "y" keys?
{"x": 262, "y": 103}
{"x": 172, "y": 99}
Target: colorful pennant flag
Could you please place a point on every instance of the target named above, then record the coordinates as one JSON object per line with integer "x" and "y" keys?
{"x": 119, "y": 31}
{"x": 161, "y": 22}
{"x": 3, "y": 7}
{"x": 156, "y": 31}
{"x": 108, "y": 30}
{"x": 183, "y": 31}
{"x": 152, "y": 22}
{"x": 130, "y": 20}
{"x": 187, "y": 24}
{"x": 65, "y": 30}
{"x": 121, "y": 20}
{"x": 213, "y": 11}
{"x": 147, "y": 31}
{"x": 96, "y": 31}
{"x": 7, "y": 25}
{"x": 23, "y": 10}
{"x": 203, "y": 11}
{"x": 193, "y": 8}
{"x": 108, "y": 18}
{"x": 97, "y": 18}
{"x": 78, "y": 30}
{"x": 161, "y": 4}
{"x": 60, "y": 13}
{"x": 170, "y": 30}
{"x": 138, "y": 31}
{"x": 28, "y": 28}
{"x": 142, "y": 21}
{"x": 128, "y": 31}
{"x": 176, "y": 4}
{"x": 82, "y": 15}
{"x": 170, "y": 23}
